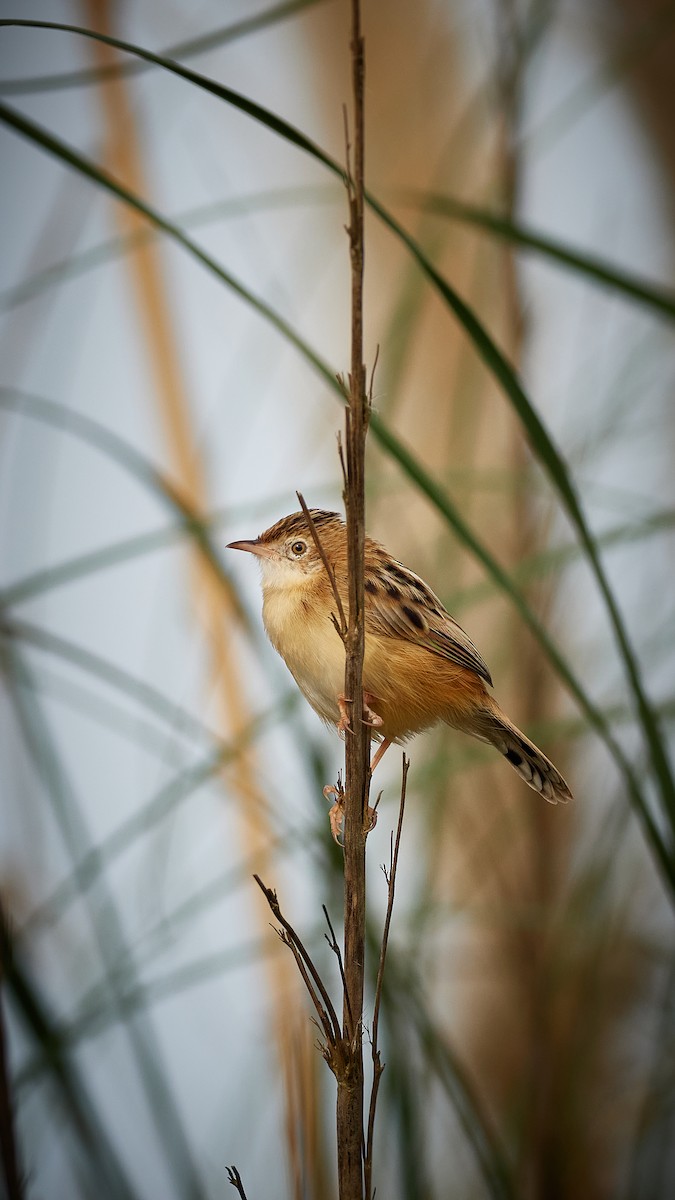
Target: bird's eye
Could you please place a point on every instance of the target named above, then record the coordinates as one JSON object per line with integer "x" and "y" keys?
{"x": 298, "y": 548}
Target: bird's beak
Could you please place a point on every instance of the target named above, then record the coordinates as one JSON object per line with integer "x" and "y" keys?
{"x": 261, "y": 549}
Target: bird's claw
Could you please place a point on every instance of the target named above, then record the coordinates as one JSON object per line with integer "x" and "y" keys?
{"x": 371, "y": 718}
{"x": 343, "y": 725}
{"x": 336, "y": 815}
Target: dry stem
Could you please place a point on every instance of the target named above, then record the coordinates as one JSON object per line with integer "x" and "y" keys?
{"x": 235, "y": 1179}
{"x": 378, "y": 1066}
{"x": 350, "y": 1086}
{"x": 313, "y": 981}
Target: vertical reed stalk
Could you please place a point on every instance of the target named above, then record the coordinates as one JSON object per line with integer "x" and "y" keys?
{"x": 215, "y": 606}
{"x": 350, "y": 1081}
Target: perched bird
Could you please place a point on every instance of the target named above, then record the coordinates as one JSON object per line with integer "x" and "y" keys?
{"x": 419, "y": 666}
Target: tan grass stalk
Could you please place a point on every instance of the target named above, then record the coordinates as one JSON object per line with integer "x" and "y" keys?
{"x": 215, "y": 608}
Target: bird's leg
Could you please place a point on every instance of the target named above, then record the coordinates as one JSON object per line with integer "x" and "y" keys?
{"x": 343, "y": 724}
{"x": 379, "y": 754}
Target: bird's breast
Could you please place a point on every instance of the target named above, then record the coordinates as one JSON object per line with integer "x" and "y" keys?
{"x": 300, "y": 628}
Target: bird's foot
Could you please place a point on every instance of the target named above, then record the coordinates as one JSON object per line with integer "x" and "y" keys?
{"x": 343, "y": 725}
{"x": 370, "y": 717}
{"x": 371, "y": 817}
{"x": 336, "y": 815}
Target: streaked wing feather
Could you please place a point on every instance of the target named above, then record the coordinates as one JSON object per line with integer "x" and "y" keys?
{"x": 400, "y": 604}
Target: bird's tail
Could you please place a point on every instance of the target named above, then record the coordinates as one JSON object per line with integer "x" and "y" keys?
{"x": 493, "y": 726}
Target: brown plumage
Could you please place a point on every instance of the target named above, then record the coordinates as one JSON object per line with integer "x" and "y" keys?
{"x": 419, "y": 666}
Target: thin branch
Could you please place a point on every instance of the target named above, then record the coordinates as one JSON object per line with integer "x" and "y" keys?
{"x": 332, "y": 942}
{"x": 343, "y": 465}
{"x": 372, "y": 374}
{"x": 235, "y": 1179}
{"x": 378, "y": 1066}
{"x": 328, "y": 1030}
{"x": 340, "y": 625}
{"x": 296, "y": 944}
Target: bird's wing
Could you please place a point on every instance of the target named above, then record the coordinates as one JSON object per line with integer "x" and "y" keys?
{"x": 400, "y": 604}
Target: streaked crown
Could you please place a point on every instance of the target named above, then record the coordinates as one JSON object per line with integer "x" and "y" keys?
{"x": 296, "y": 524}
{"x": 286, "y": 551}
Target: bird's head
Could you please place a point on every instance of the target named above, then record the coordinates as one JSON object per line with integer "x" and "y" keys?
{"x": 286, "y": 551}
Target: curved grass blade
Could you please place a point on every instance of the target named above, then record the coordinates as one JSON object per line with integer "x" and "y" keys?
{"x": 83, "y": 565}
{"x": 168, "y": 747}
{"x": 77, "y": 265}
{"x": 267, "y": 118}
{"x": 169, "y": 797}
{"x": 598, "y": 270}
{"x": 104, "y": 921}
{"x": 131, "y": 460}
{"x": 137, "y": 689}
{"x": 555, "y": 558}
{"x": 107, "y": 1170}
{"x": 403, "y": 991}
{"x": 188, "y": 49}
{"x": 552, "y": 462}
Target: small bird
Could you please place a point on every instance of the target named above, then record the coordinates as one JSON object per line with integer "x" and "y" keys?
{"x": 419, "y": 665}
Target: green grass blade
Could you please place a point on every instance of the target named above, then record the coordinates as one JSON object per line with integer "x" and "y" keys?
{"x": 598, "y": 270}
{"x": 77, "y": 265}
{"x": 187, "y": 49}
{"x": 256, "y": 111}
{"x": 108, "y": 1177}
{"x": 443, "y": 503}
{"x": 553, "y": 464}
{"x": 105, "y": 923}
{"x": 167, "y": 799}
{"x": 446, "y": 1066}
{"x": 83, "y": 565}
{"x": 131, "y": 460}
{"x": 554, "y": 558}
{"x": 109, "y": 673}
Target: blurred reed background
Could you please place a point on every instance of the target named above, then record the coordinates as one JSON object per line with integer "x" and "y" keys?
{"x": 167, "y": 383}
